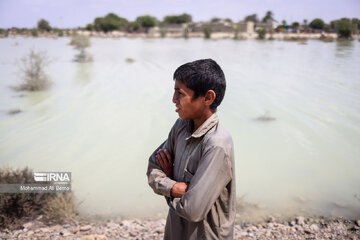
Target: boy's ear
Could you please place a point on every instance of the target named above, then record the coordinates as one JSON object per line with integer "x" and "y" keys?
{"x": 210, "y": 97}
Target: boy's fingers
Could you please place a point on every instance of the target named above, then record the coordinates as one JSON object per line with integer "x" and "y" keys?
{"x": 163, "y": 156}
{"x": 169, "y": 158}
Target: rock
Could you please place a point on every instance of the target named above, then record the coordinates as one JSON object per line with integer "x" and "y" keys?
{"x": 28, "y": 225}
{"x": 45, "y": 230}
{"x": 65, "y": 233}
{"x": 292, "y": 223}
{"x": 85, "y": 228}
{"x": 67, "y": 226}
{"x": 75, "y": 230}
{"x": 94, "y": 237}
{"x": 300, "y": 220}
{"x": 271, "y": 219}
{"x": 358, "y": 222}
{"x": 314, "y": 227}
{"x": 25, "y": 230}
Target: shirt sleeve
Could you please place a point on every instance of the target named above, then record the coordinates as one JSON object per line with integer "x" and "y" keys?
{"x": 213, "y": 174}
{"x": 157, "y": 179}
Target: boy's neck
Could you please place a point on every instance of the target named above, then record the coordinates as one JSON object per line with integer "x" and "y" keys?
{"x": 199, "y": 121}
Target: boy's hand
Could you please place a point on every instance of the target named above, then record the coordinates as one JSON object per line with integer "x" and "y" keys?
{"x": 165, "y": 162}
{"x": 179, "y": 189}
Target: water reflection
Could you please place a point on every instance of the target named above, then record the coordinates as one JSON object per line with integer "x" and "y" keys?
{"x": 84, "y": 73}
{"x": 344, "y": 48}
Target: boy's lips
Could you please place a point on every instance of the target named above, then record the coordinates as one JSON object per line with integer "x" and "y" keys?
{"x": 177, "y": 108}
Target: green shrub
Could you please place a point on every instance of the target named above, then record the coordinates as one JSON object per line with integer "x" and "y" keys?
{"x": 207, "y": 31}
{"x": 261, "y": 33}
{"x": 34, "y": 32}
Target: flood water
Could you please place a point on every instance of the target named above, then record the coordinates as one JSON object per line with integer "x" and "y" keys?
{"x": 293, "y": 111}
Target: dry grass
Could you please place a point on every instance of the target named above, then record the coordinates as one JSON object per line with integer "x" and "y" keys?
{"x": 17, "y": 208}
{"x": 32, "y": 69}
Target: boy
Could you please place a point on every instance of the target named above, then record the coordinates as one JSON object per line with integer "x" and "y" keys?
{"x": 194, "y": 167}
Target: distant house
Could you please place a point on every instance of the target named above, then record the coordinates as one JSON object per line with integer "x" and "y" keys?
{"x": 174, "y": 28}
{"x": 269, "y": 24}
{"x": 246, "y": 27}
{"x": 219, "y": 26}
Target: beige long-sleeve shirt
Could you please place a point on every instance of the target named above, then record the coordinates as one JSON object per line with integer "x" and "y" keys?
{"x": 205, "y": 160}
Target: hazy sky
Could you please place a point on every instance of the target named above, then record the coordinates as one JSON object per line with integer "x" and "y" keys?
{"x": 74, "y": 13}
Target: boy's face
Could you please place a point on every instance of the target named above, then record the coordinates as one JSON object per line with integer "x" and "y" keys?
{"x": 186, "y": 106}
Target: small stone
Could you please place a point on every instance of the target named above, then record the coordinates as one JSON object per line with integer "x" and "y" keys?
{"x": 94, "y": 237}
{"x": 160, "y": 230}
{"x": 358, "y": 222}
{"x": 25, "y": 230}
{"x": 65, "y": 233}
{"x": 75, "y": 230}
{"x": 85, "y": 228}
{"x": 67, "y": 226}
{"x": 300, "y": 220}
{"x": 292, "y": 223}
{"x": 28, "y": 225}
{"x": 271, "y": 219}
{"x": 45, "y": 230}
{"x": 314, "y": 227}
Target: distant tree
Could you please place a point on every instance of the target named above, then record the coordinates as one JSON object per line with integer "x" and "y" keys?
{"x": 110, "y": 22}
{"x": 283, "y": 22}
{"x": 207, "y": 31}
{"x": 90, "y": 27}
{"x": 178, "y": 19}
{"x": 43, "y": 25}
{"x": 251, "y": 18}
{"x": 134, "y": 26}
{"x": 215, "y": 19}
{"x": 229, "y": 20}
{"x": 356, "y": 23}
{"x": 344, "y": 28}
{"x": 295, "y": 25}
{"x": 147, "y": 21}
{"x": 305, "y": 22}
{"x": 268, "y": 15}
{"x": 317, "y": 23}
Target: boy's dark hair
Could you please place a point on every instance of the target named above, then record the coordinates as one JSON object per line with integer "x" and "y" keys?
{"x": 201, "y": 76}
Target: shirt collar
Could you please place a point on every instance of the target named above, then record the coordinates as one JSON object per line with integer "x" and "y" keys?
{"x": 205, "y": 127}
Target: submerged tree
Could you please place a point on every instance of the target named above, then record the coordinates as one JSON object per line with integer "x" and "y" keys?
{"x": 32, "y": 69}
{"x": 207, "y": 31}
{"x": 261, "y": 33}
{"x": 80, "y": 43}
{"x": 344, "y": 28}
